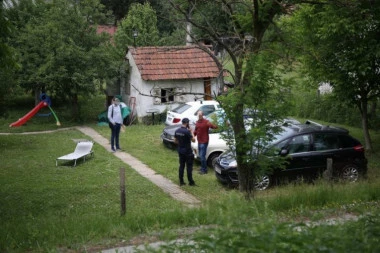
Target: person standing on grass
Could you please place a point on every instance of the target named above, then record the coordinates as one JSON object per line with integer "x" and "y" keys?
{"x": 202, "y": 127}
{"x": 183, "y": 137}
{"x": 116, "y": 120}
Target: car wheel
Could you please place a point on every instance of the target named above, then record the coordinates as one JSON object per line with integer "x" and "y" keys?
{"x": 168, "y": 144}
{"x": 262, "y": 183}
{"x": 212, "y": 159}
{"x": 350, "y": 173}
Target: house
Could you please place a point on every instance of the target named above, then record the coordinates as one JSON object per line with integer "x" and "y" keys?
{"x": 109, "y": 29}
{"x": 160, "y": 78}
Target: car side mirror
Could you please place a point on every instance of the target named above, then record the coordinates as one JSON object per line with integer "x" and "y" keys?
{"x": 284, "y": 152}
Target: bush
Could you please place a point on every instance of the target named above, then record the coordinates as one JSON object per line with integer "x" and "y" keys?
{"x": 327, "y": 108}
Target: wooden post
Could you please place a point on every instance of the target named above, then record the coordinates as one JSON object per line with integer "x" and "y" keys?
{"x": 122, "y": 191}
{"x": 329, "y": 168}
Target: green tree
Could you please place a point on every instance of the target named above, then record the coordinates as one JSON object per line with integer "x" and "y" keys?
{"x": 340, "y": 45}
{"x": 142, "y": 19}
{"x": 7, "y": 60}
{"x": 5, "y": 32}
{"x": 61, "y": 53}
{"x": 93, "y": 11}
{"x": 119, "y": 8}
{"x": 256, "y": 85}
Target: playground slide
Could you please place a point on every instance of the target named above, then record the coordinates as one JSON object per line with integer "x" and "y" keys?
{"x": 30, "y": 114}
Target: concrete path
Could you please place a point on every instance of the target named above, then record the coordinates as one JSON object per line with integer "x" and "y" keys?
{"x": 165, "y": 184}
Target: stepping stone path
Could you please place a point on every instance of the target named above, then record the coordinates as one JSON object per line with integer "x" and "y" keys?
{"x": 165, "y": 184}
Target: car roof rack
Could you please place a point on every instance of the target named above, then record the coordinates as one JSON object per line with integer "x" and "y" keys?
{"x": 311, "y": 126}
{"x": 326, "y": 127}
{"x": 309, "y": 122}
{"x": 316, "y": 124}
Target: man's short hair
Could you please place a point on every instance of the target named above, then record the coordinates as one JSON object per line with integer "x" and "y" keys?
{"x": 185, "y": 120}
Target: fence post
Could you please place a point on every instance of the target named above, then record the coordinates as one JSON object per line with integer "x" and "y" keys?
{"x": 122, "y": 191}
{"x": 329, "y": 169}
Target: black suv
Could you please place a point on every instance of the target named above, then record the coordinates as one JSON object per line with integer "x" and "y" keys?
{"x": 307, "y": 147}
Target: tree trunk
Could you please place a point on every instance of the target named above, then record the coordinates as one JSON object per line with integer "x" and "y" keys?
{"x": 364, "y": 116}
{"x": 75, "y": 107}
{"x": 189, "y": 40}
{"x": 246, "y": 180}
{"x": 36, "y": 96}
{"x": 245, "y": 176}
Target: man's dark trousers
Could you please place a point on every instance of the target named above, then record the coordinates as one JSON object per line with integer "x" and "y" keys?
{"x": 188, "y": 160}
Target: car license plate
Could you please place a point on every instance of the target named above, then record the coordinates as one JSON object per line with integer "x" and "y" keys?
{"x": 217, "y": 169}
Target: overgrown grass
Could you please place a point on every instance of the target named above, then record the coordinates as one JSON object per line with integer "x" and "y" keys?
{"x": 49, "y": 208}
{"x": 267, "y": 235}
{"x": 44, "y": 205}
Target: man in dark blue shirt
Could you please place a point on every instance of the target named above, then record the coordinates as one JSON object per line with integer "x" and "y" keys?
{"x": 183, "y": 137}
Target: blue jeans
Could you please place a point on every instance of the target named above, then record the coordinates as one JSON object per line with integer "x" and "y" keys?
{"x": 115, "y": 132}
{"x": 202, "y": 148}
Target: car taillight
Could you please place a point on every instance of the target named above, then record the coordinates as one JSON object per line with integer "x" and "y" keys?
{"x": 176, "y": 120}
{"x": 359, "y": 148}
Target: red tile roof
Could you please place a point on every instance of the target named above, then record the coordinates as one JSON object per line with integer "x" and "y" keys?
{"x": 110, "y": 29}
{"x": 167, "y": 63}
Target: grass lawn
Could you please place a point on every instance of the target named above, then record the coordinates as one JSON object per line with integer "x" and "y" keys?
{"x": 65, "y": 209}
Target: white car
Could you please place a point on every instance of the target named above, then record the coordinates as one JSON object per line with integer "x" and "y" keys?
{"x": 216, "y": 146}
{"x": 189, "y": 110}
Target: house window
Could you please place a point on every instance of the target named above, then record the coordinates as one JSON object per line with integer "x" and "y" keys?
{"x": 163, "y": 95}
{"x": 167, "y": 95}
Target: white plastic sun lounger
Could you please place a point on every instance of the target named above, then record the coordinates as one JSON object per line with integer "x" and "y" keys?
{"x": 83, "y": 149}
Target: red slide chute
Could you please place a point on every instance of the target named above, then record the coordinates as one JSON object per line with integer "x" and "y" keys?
{"x": 30, "y": 114}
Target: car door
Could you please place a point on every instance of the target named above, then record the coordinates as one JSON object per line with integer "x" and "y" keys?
{"x": 325, "y": 146}
{"x": 300, "y": 162}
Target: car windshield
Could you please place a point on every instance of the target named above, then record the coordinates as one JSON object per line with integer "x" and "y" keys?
{"x": 180, "y": 109}
{"x": 283, "y": 134}
{"x": 217, "y": 116}
{"x": 278, "y": 138}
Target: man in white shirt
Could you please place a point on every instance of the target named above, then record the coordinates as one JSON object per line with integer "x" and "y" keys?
{"x": 115, "y": 119}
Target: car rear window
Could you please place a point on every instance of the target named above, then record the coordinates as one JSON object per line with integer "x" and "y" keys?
{"x": 325, "y": 141}
{"x": 206, "y": 109}
{"x": 180, "y": 109}
{"x": 347, "y": 141}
